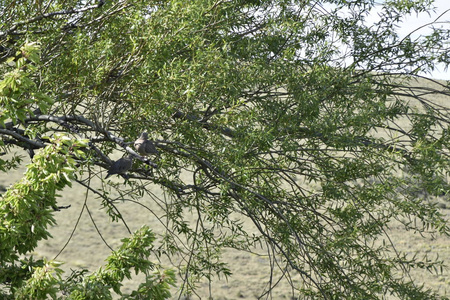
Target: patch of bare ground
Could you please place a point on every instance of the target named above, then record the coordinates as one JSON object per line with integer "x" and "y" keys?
{"x": 85, "y": 220}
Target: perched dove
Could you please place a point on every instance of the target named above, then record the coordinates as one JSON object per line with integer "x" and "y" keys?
{"x": 143, "y": 146}
{"x": 121, "y": 166}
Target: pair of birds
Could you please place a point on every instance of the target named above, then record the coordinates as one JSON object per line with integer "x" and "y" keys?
{"x": 143, "y": 146}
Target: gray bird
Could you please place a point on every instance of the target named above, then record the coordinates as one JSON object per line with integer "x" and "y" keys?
{"x": 121, "y": 166}
{"x": 143, "y": 146}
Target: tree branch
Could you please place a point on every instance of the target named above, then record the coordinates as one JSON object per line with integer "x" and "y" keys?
{"x": 69, "y": 11}
{"x": 34, "y": 143}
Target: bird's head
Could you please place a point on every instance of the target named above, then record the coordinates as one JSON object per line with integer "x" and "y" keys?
{"x": 144, "y": 135}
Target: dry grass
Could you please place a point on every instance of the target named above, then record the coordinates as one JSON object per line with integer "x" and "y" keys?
{"x": 250, "y": 271}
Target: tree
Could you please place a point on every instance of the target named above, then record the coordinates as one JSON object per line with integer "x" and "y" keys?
{"x": 299, "y": 116}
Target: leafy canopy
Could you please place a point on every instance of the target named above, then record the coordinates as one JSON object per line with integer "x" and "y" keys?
{"x": 297, "y": 116}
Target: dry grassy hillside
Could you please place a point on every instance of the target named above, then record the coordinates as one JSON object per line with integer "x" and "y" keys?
{"x": 250, "y": 271}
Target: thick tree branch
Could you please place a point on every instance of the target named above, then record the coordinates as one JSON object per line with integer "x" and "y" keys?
{"x": 34, "y": 143}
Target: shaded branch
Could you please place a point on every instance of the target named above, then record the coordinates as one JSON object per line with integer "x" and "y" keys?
{"x": 69, "y": 11}
{"x": 34, "y": 143}
{"x": 185, "y": 116}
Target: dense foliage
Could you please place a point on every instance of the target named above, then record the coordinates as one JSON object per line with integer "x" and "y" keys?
{"x": 297, "y": 115}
